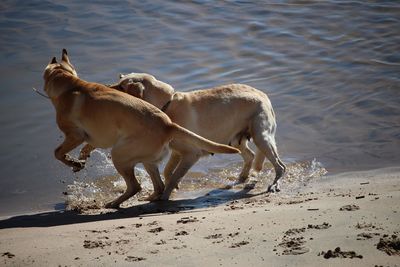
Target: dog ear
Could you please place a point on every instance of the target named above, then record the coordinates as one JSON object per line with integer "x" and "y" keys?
{"x": 121, "y": 75}
{"x": 114, "y": 86}
{"x": 65, "y": 56}
{"x": 53, "y": 61}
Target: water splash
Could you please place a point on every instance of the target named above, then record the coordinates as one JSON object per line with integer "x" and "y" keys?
{"x": 95, "y": 192}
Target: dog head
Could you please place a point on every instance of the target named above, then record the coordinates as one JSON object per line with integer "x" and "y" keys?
{"x": 65, "y": 66}
{"x": 146, "y": 87}
{"x": 54, "y": 68}
{"x": 133, "y": 85}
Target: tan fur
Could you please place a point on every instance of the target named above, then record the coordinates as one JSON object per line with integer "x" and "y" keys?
{"x": 137, "y": 131}
{"x": 228, "y": 114}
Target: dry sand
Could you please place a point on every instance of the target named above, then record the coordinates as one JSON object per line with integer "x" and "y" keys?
{"x": 350, "y": 219}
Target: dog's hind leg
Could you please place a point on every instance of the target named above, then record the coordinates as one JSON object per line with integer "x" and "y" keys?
{"x": 126, "y": 169}
{"x": 132, "y": 185}
{"x": 71, "y": 141}
{"x": 264, "y": 137}
{"x": 258, "y": 160}
{"x": 170, "y": 167}
{"x": 152, "y": 170}
{"x": 248, "y": 156}
{"x": 187, "y": 161}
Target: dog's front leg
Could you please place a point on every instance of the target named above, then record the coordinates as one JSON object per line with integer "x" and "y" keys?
{"x": 71, "y": 141}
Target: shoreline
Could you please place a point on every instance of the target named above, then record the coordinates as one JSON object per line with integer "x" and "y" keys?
{"x": 60, "y": 205}
{"x": 351, "y": 211}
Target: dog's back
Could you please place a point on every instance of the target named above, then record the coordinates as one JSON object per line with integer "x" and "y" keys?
{"x": 102, "y": 113}
{"x": 220, "y": 113}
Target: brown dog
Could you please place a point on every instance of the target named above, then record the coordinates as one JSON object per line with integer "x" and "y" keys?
{"x": 228, "y": 114}
{"x": 137, "y": 131}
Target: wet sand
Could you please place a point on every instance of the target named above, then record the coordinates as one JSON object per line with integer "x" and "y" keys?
{"x": 350, "y": 219}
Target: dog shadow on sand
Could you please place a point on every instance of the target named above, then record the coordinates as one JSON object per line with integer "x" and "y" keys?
{"x": 213, "y": 198}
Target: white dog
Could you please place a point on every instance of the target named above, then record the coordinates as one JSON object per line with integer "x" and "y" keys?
{"x": 229, "y": 114}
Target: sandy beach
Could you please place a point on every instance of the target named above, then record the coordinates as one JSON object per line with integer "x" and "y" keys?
{"x": 351, "y": 219}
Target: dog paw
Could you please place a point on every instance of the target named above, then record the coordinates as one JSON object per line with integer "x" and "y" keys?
{"x": 249, "y": 186}
{"x": 274, "y": 188}
{"x": 243, "y": 176}
{"x": 78, "y": 165}
{"x": 164, "y": 197}
{"x": 152, "y": 197}
{"x": 111, "y": 205}
{"x": 242, "y": 179}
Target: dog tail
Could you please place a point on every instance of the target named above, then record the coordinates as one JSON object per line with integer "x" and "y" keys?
{"x": 178, "y": 132}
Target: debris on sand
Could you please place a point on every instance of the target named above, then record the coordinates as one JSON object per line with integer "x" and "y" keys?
{"x": 337, "y": 253}
{"x": 161, "y": 242}
{"x": 8, "y": 255}
{"x": 214, "y": 236}
{"x": 95, "y": 244}
{"x": 133, "y": 258}
{"x": 349, "y": 208}
{"x": 156, "y": 230}
{"x": 239, "y": 244}
{"x": 367, "y": 226}
{"x": 99, "y": 231}
{"x": 233, "y": 207}
{"x": 295, "y": 231}
{"x": 178, "y": 247}
{"x": 185, "y": 220}
{"x": 294, "y": 246}
{"x": 324, "y": 225}
{"x": 390, "y": 245}
{"x": 181, "y": 233}
{"x": 364, "y": 236}
{"x": 153, "y": 223}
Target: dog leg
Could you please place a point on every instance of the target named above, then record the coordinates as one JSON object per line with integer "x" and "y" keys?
{"x": 171, "y": 166}
{"x": 279, "y": 167}
{"x": 84, "y": 154}
{"x": 265, "y": 142}
{"x": 132, "y": 187}
{"x": 184, "y": 165}
{"x": 126, "y": 170}
{"x": 248, "y": 156}
{"x": 71, "y": 141}
{"x": 152, "y": 170}
{"x": 269, "y": 148}
{"x": 258, "y": 161}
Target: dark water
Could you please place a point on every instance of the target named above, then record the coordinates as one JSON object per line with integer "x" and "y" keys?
{"x": 331, "y": 69}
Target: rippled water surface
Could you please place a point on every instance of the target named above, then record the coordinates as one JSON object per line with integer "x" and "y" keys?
{"x": 331, "y": 69}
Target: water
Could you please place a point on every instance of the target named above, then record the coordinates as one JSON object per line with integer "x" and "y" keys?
{"x": 331, "y": 69}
